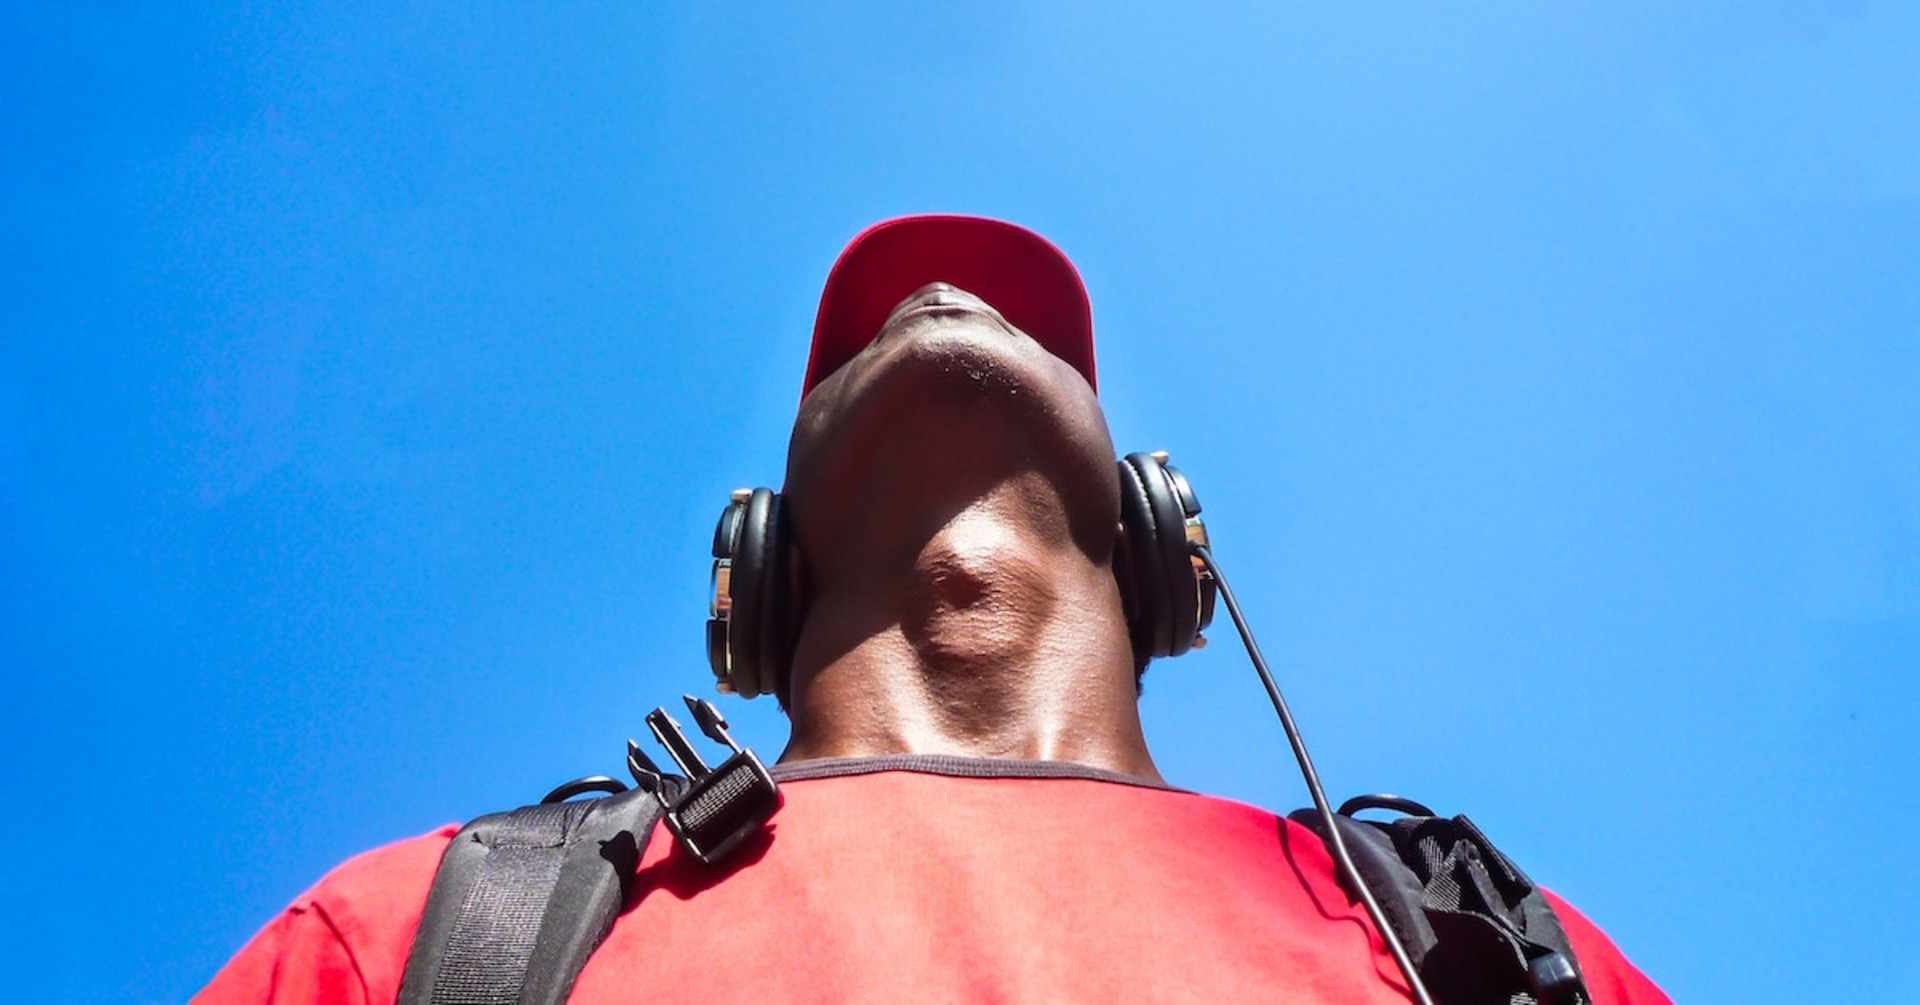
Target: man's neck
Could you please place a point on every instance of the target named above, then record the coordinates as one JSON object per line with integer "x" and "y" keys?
{"x": 993, "y": 639}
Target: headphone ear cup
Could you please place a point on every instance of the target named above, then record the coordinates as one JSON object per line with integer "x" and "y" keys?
{"x": 1185, "y": 600}
{"x": 747, "y": 640}
{"x": 721, "y": 608}
{"x": 1194, "y": 576}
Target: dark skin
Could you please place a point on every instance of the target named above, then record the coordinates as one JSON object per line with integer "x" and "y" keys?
{"x": 952, "y": 490}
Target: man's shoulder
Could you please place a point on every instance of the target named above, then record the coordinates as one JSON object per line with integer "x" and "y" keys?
{"x": 1016, "y": 835}
{"x": 383, "y": 871}
{"x": 372, "y": 890}
{"x": 346, "y": 938}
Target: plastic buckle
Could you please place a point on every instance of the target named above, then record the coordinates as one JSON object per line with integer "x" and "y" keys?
{"x": 721, "y": 807}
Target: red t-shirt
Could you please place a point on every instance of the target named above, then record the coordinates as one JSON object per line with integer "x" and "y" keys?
{"x": 1043, "y": 883}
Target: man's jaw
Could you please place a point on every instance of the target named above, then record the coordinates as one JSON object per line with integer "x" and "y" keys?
{"x": 946, "y": 405}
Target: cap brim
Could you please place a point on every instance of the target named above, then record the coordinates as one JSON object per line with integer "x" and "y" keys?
{"x": 1028, "y": 280}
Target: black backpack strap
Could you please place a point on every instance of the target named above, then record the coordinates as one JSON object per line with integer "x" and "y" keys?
{"x": 523, "y": 898}
{"x": 1476, "y": 927}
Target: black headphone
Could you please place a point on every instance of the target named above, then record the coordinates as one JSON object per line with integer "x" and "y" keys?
{"x": 1168, "y": 593}
{"x": 1168, "y": 580}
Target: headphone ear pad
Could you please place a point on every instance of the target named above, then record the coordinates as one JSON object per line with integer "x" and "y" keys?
{"x": 1156, "y": 518}
{"x": 777, "y": 622}
{"x": 1151, "y": 624}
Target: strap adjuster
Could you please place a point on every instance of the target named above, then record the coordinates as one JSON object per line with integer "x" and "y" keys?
{"x": 721, "y": 807}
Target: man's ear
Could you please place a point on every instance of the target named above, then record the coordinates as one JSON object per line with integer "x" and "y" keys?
{"x": 1123, "y": 571}
{"x": 799, "y": 595}
{"x": 798, "y": 592}
{"x": 799, "y": 598}
{"x": 1124, "y": 576}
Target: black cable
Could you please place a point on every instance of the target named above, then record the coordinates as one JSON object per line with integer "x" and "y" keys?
{"x": 1342, "y": 858}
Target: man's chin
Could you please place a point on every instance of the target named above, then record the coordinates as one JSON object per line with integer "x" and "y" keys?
{"x": 966, "y": 367}
{"x": 951, "y": 416}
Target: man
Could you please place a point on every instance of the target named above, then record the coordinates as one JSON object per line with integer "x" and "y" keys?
{"x": 971, "y": 810}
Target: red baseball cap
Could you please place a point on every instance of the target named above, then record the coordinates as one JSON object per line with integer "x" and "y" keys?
{"x": 1028, "y": 280}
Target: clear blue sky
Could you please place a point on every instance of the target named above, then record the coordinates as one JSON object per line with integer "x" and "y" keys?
{"x": 370, "y": 380}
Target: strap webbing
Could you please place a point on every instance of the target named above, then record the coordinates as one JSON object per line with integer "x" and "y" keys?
{"x": 523, "y": 898}
{"x": 492, "y": 942}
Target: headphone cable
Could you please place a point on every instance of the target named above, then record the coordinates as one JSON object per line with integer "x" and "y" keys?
{"x": 1338, "y": 843}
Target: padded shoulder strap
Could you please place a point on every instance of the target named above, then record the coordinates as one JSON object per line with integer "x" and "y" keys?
{"x": 523, "y": 898}
{"x": 1475, "y": 926}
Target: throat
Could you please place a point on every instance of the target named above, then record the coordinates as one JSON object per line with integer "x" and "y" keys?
{"x": 995, "y": 636}
{"x": 978, "y": 605}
